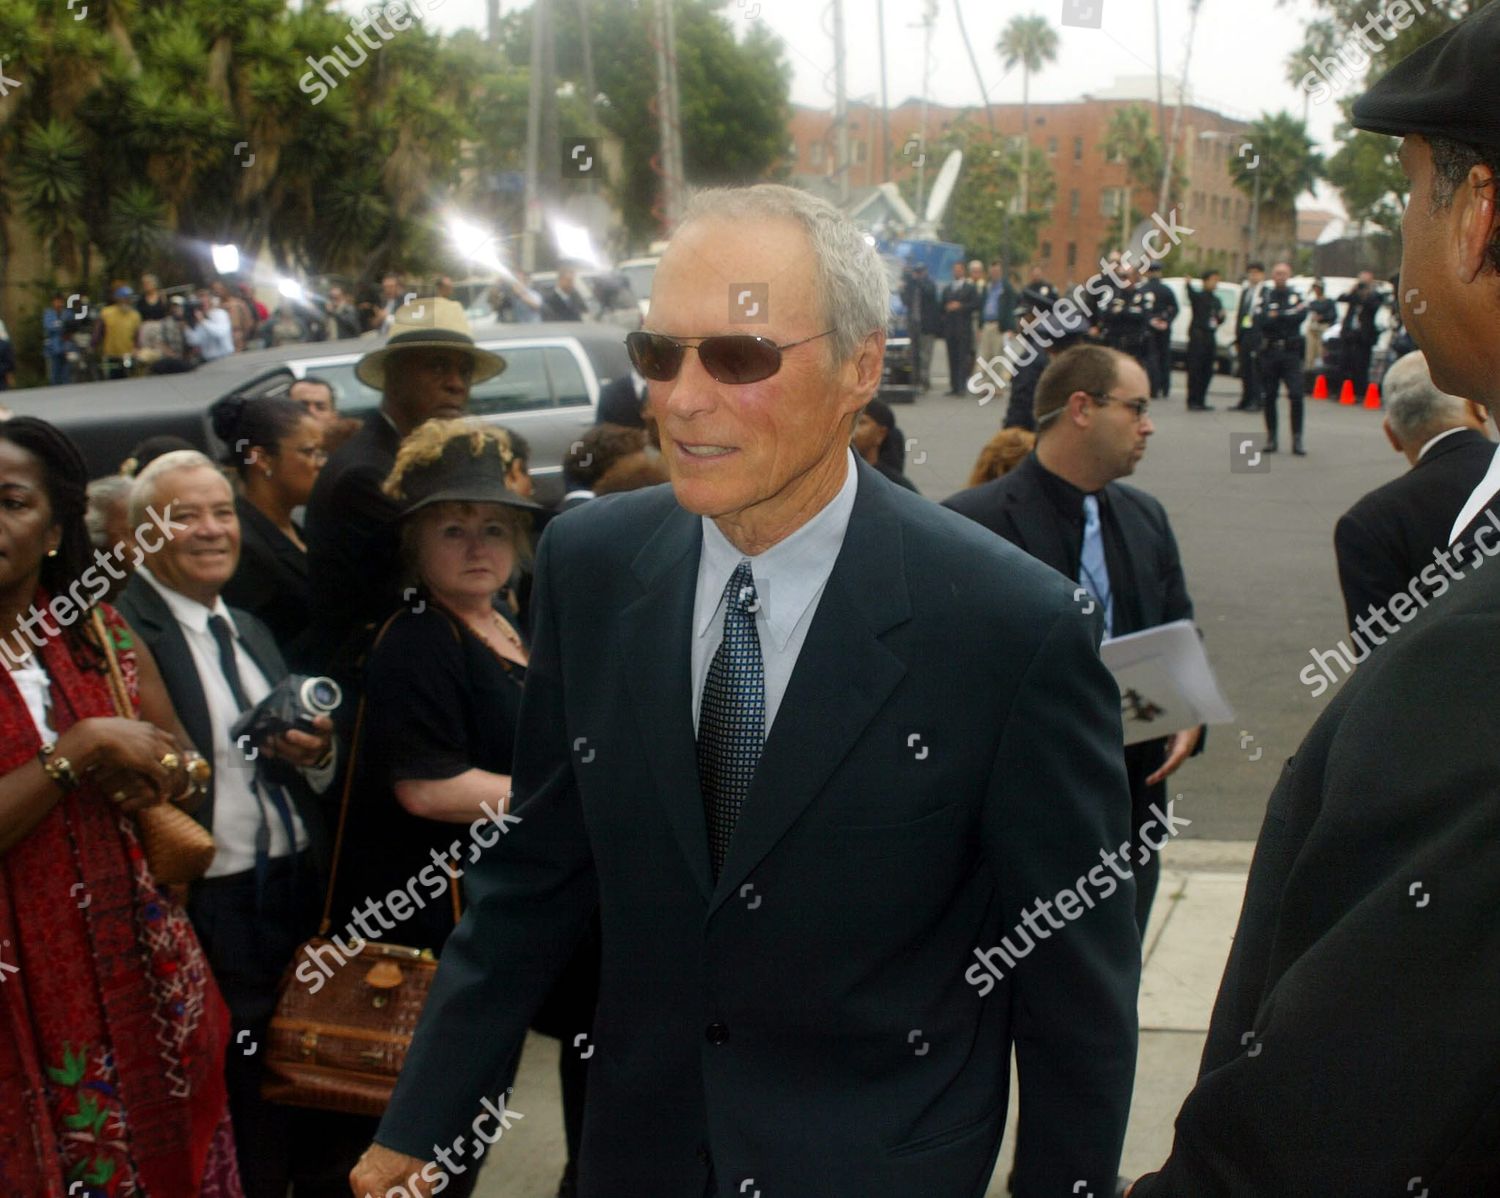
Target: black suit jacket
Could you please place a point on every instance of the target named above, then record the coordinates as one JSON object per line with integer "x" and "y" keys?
{"x": 1386, "y": 539}
{"x": 1355, "y": 1042}
{"x": 271, "y": 581}
{"x": 1152, "y": 591}
{"x": 960, "y": 322}
{"x": 352, "y": 554}
{"x": 151, "y": 618}
{"x": 946, "y": 752}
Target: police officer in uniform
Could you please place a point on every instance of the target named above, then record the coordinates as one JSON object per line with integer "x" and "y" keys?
{"x": 1278, "y": 320}
{"x": 1208, "y": 315}
{"x": 1164, "y": 309}
{"x": 1127, "y": 318}
{"x": 1247, "y": 339}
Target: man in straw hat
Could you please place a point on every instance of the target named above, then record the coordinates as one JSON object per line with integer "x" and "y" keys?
{"x": 1355, "y": 1043}
{"x": 424, "y": 370}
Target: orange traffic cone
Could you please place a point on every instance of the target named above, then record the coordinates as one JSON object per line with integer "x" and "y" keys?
{"x": 1320, "y": 388}
{"x": 1346, "y": 395}
{"x": 1372, "y": 396}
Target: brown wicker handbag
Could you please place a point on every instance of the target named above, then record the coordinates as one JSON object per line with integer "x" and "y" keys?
{"x": 344, "y": 1021}
{"x": 178, "y": 848}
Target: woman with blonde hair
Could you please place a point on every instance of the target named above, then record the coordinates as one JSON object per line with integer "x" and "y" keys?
{"x": 1001, "y": 454}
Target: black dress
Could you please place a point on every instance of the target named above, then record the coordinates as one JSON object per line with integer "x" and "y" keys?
{"x": 439, "y": 701}
{"x": 271, "y": 582}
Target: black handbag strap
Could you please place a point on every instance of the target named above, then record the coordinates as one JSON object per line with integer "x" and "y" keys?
{"x": 326, "y": 921}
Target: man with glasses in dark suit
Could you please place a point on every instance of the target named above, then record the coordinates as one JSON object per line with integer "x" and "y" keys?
{"x": 809, "y": 743}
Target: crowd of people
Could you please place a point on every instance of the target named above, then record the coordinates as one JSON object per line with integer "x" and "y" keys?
{"x": 740, "y": 773}
{"x": 165, "y": 331}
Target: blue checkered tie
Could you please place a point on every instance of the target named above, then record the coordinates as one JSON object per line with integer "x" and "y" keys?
{"x": 732, "y": 715}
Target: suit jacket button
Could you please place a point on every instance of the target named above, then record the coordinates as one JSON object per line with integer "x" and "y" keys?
{"x": 717, "y": 1033}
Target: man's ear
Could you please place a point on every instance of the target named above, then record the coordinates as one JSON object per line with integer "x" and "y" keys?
{"x": 868, "y": 365}
{"x": 1477, "y": 210}
{"x": 1390, "y": 436}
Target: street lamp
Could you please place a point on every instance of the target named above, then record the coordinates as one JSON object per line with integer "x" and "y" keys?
{"x": 226, "y": 259}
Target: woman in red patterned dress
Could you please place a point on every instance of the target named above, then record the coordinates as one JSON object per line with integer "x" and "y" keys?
{"x": 112, "y": 1034}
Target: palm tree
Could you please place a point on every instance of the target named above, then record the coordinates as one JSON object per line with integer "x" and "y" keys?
{"x": 1131, "y": 138}
{"x": 1276, "y": 163}
{"x": 1027, "y": 42}
{"x": 1320, "y": 41}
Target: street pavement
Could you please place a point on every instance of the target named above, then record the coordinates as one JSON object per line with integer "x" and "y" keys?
{"x": 1257, "y": 549}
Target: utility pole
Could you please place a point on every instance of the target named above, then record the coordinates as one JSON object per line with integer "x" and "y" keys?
{"x": 1163, "y": 195}
{"x": 1161, "y": 120}
{"x": 840, "y": 104}
{"x": 929, "y": 18}
{"x": 885, "y": 103}
{"x": 668, "y": 121}
{"x": 535, "y": 101}
{"x": 492, "y": 22}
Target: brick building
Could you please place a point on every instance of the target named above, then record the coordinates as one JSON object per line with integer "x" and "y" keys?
{"x": 1087, "y": 214}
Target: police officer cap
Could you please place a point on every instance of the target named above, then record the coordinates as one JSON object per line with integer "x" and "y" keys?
{"x": 1444, "y": 89}
{"x": 1057, "y": 320}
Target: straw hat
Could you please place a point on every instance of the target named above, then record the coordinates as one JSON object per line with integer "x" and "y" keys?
{"x": 428, "y": 323}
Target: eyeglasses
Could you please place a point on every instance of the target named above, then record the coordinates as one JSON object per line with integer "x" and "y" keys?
{"x": 1140, "y": 407}
{"x": 732, "y": 358}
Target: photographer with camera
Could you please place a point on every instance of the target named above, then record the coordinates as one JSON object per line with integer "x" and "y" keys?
{"x": 209, "y": 329}
{"x": 1360, "y": 329}
{"x": 270, "y": 740}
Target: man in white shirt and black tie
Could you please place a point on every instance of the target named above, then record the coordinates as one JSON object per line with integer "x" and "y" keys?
{"x": 259, "y": 899}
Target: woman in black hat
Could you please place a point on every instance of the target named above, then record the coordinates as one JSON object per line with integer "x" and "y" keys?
{"x": 442, "y": 697}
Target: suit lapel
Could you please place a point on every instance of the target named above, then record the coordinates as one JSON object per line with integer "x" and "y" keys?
{"x": 1037, "y": 523}
{"x": 659, "y": 625}
{"x": 1136, "y": 539}
{"x": 843, "y": 676}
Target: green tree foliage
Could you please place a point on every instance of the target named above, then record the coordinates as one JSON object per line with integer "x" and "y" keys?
{"x": 1281, "y": 164}
{"x": 733, "y": 95}
{"x": 1369, "y": 179}
{"x": 984, "y": 213}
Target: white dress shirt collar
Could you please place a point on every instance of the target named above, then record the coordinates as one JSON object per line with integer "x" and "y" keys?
{"x": 1422, "y": 453}
{"x": 788, "y": 575}
{"x": 189, "y": 612}
{"x": 1488, "y": 488}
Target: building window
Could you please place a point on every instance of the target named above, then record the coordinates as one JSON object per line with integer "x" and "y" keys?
{"x": 815, "y": 155}
{"x": 1052, "y": 146}
{"x": 1078, "y": 149}
{"x": 859, "y": 153}
{"x": 1072, "y": 254}
{"x": 1112, "y": 201}
{"x": 1046, "y": 249}
{"x": 1075, "y": 202}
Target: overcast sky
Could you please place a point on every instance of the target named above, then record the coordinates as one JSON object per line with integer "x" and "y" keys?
{"x": 1238, "y": 63}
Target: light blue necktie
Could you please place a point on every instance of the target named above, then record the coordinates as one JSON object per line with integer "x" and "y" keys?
{"x": 1093, "y": 570}
{"x": 732, "y": 715}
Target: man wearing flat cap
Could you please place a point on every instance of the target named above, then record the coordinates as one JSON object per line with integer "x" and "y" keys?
{"x": 424, "y": 370}
{"x": 1355, "y": 1043}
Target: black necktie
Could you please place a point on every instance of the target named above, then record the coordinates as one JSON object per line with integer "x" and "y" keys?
{"x": 219, "y": 626}
{"x": 731, "y": 716}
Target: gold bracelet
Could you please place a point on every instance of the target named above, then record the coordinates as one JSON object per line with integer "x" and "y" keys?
{"x": 59, "y": 769}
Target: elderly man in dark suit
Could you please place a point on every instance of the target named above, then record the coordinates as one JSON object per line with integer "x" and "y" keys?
{"x": 1386, "y": 539}
{"x": 1064, "y": 505}
{"x": 424, "y": 370}
{"x": 809, "y": 743}
{"x": 259, "y": 899}
{"x": 1355, "y": 1044}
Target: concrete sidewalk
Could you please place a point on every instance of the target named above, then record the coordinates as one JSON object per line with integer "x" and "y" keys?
{"x": 1192, "y": 924}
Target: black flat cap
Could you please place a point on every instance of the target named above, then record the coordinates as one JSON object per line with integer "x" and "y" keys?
{"x": 1446, "y": 88}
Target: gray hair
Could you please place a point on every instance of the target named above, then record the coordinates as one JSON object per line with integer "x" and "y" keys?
{"x": 851, "y": 282}
{"x": 103, "y": 494}
{"x": 1416, "y": 409}
{"x": 143, "y": 492}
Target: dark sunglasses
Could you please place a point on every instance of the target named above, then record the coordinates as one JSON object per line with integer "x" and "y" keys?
{"x": 732, "y": 358}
